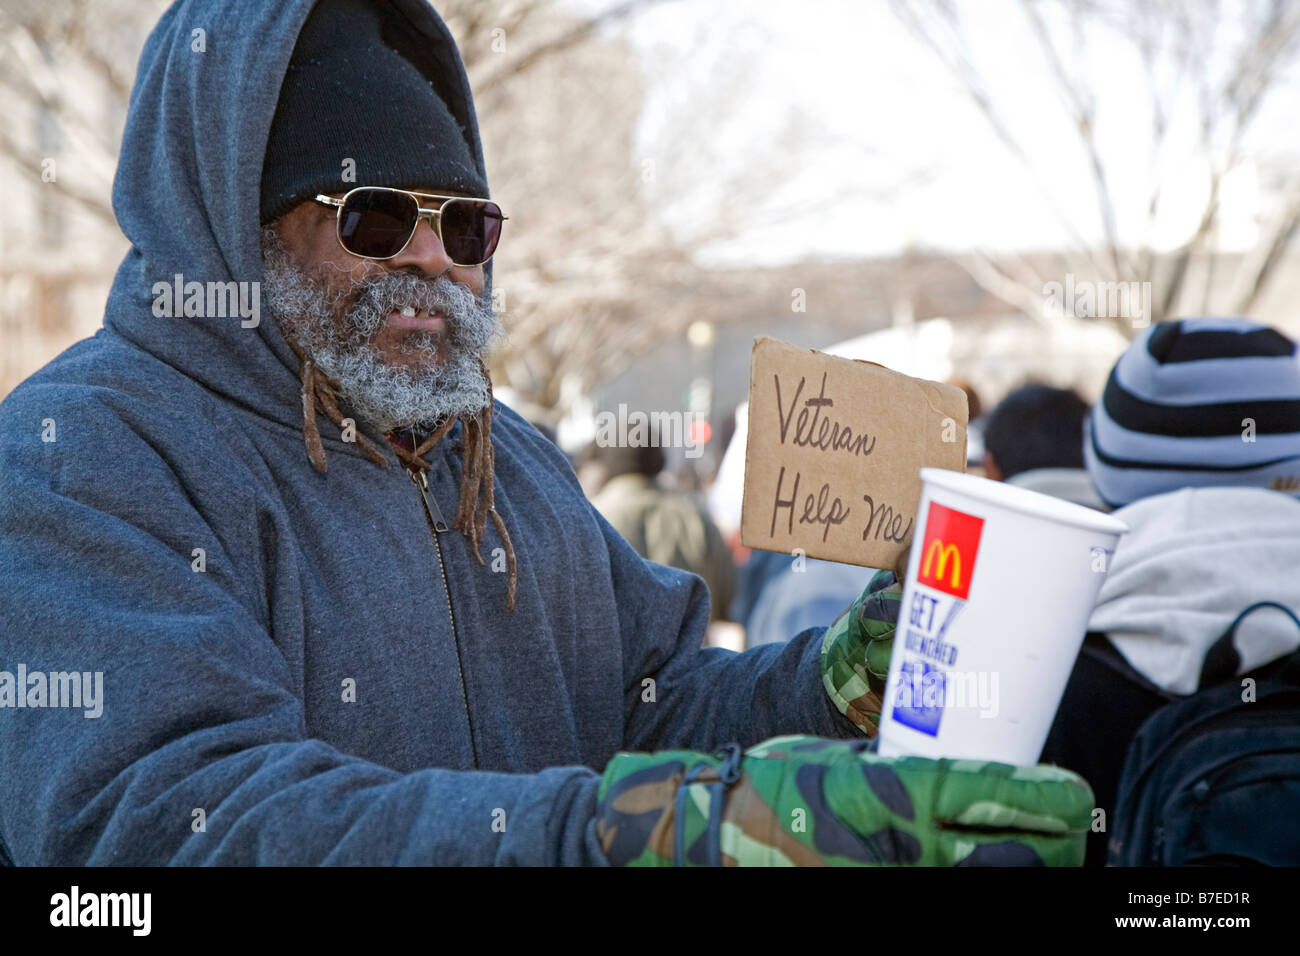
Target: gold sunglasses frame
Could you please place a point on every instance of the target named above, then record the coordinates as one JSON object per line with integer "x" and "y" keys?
{"x": 433, "y": 215}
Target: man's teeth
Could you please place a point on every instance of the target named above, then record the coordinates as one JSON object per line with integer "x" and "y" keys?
{"x": 410, "y": 311}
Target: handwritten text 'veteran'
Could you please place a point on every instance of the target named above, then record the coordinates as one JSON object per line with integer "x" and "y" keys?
{"x": 811, "y": 430}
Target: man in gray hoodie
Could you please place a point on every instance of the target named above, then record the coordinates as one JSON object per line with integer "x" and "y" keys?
{"x": 343, "y": 606}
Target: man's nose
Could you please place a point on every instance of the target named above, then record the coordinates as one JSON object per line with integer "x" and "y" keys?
{"x": 424, "y": 251}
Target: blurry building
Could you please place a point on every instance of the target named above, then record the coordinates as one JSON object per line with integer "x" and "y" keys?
{"x": 61, "y": 118}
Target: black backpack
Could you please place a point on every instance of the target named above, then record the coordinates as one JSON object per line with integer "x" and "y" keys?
{"x": 1211, "y": 779}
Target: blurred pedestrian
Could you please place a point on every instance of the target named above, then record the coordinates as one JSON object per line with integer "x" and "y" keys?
{"x": 975, "y": 422}
{"x": 1034, "y": 439}
{"x": 796, "y": 592}
{"x": 668, "y": 527}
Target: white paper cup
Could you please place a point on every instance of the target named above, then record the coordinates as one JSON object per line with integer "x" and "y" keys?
{"x": 1000, "y": 585}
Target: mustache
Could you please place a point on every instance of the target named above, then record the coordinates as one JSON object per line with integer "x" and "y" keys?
{"x": 372, "y": 298}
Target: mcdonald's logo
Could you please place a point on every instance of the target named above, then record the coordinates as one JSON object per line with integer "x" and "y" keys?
{"x": 949, "y": 550}
{"x": 947, "y": 553}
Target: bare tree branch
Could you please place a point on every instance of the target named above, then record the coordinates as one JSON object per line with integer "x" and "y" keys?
{"x": 1173, "y": 39}
{"x": 559, "y": 44}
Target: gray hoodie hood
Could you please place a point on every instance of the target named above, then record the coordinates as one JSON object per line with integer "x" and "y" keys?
{"x": 187, "y": 190}
{"x": 1191, "y": 562}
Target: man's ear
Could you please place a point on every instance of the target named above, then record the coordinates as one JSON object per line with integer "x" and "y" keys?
{"x": 991, "y": 469}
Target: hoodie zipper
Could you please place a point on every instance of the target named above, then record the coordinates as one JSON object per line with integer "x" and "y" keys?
{"x": 438, "y": 525}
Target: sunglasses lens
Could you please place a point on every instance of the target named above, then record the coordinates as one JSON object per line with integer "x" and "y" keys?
{"x": 470, "y": 230}
{"x": 377, "y": 222}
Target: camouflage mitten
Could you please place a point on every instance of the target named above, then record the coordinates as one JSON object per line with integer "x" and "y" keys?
{"x": 807, "y": 801}
{"x": 856, "y": 648}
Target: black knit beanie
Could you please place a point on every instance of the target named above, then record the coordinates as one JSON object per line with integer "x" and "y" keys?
{"x": 349, "y": 95}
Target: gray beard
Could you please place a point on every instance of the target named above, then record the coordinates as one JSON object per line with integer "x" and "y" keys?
{"x": 335, "y": 327}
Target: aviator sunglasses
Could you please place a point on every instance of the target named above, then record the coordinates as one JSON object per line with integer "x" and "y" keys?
{"x": 377, "y": 222}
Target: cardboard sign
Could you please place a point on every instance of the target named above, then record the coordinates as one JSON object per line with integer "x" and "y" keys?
{"x": 834, "y": 453}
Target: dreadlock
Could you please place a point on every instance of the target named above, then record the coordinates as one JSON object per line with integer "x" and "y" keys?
{"x": 478, "y": 460}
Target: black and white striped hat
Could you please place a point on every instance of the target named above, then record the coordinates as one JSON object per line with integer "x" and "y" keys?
{"x": 1198, "y": 402}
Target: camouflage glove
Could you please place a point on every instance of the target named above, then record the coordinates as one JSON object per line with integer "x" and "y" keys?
{"x": 806, "y": 801}
{"x": 856, "y": 648}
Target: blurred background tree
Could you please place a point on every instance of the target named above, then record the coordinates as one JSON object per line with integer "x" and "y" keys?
{"x": 626, "y": 138}
{"x": 589, "y": 279}
{"x": 1221, "y": 62}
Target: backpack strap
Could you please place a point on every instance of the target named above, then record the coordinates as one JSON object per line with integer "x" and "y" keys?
{"x": 1222, "y": 659}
